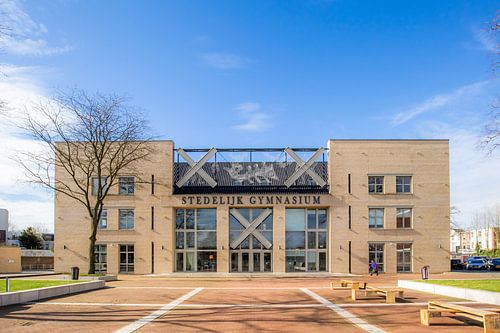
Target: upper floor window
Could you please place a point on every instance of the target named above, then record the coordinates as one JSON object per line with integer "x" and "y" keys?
{"x": 126, "y": 219}
{"x": 403, "y": 217}
{"x": 95, "y": 184}
{"x": 103, "y": 219}
{"x": 375, "y": 184}
{"x": 126, "y": 185}
{"x": 376, "y": 217}
{"x": 403, "y": 184}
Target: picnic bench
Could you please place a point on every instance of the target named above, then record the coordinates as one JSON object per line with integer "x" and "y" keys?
{"x": 388, "y": 293}
{"x": 490, "y": 319}
{"x": 348, "y": 285}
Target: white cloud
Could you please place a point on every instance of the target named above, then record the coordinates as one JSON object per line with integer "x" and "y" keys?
{"x": 254, "y": 119}
{"x": 27, "y": 205}
{"x": 224, "y": 60}
{"x": 486, "y": 40}
{"x": 438, "y": 101}
{"x": 22, "y": 35}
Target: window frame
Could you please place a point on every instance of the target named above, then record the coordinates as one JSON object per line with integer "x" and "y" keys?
{"x": 120, "y": 210}
{"x": 126, "y": 185}
{"x": 380, "y": 265}
{"x": 101, "y": 266}
{"x": 406, "y": 247}
{"x": 410, "y": 218}
{"x": 129, "y": 267}
{"x": 103, "y": 217}
{"x": 186, "y": 251}
{"x": 376, "y": 184}
{"x": 95, "y": 184}
{"x": 404, "y": 184}
{"x": 376, "y": 226}
{"x": 315, "y": 251}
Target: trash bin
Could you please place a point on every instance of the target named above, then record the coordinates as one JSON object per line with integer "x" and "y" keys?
{"x": 425, "y": 272}
{"x": 75, "y": 273}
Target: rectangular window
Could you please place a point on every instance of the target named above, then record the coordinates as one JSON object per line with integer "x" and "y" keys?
{"x": 306, "y": 240}
{"x": 152, "y": 184}
{"x": 403, "y": 217}
{"x": 126, "y": 185}
{"x": 95, "y": 185}
{"x": 196, "y": 240}
{"x": 126, "y": 258}
{"x": 375, "y": 184}
{"x": 376, "y": 253}
{"x": 403, "y": 184}
{"x": 376, "y": 217}
{"x": 100, "y": 258}
{"x": 152, "y": 217}
{"x": 403, "y": 252}
{"x": 126, "y": 219}
{"x": 350, "y": 216}
{"x": 349, "y": 183}
{"x": 103, "y": 219}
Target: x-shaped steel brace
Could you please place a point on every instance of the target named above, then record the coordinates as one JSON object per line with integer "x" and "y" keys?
{"x": 251, "y": 228}
{"x": 196, "y": 167}
{"x": 304, "y": 167}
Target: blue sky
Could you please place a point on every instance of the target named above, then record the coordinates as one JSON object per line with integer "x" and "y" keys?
{"x": 267, "y": 73}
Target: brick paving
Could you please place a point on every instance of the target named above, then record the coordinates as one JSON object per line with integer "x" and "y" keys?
{"x": 232, "y": 305}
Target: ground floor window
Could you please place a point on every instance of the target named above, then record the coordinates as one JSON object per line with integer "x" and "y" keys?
{"x": 306, "y": 240}
{"x": 403, "y": 251}
{"x": 251, "y": 239}
{"x": 376, "y": 253}
{"x": 100, "y": 258}
{"x": 126, "y": 258}
{"x": 196, "y": 240}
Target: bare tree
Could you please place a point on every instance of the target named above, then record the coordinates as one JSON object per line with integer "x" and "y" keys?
{"x": 88, "y": 140}
{"x": 491, "y": 136}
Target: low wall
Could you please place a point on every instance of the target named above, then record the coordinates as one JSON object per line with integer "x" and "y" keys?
{"x": 477, "y": 295}
{"x": 24, "y": 296}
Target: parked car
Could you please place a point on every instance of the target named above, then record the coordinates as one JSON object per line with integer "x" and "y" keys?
{"x": 494, "y": 264}
{"x": 484, "y": 258}
{"x": 456, "y": 264}
{"x": 477, "y": 264}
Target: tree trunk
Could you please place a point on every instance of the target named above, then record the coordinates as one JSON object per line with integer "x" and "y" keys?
{"x": 92, "y": 239}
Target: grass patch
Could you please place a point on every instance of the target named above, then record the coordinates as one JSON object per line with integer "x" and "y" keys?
{"x": 18, "y": 285}
{"x": 95, "y": 274}
{"x": 489, "y": 285}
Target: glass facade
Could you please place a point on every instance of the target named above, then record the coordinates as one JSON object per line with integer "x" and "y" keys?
{"x": 103, "y": 219}
{"x": 251, "y": 239}
{"x": 306, "y": 240}
{"x": 196, "y": 240}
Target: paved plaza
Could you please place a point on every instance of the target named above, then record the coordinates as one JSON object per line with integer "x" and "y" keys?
{"x": 160, "y": 304}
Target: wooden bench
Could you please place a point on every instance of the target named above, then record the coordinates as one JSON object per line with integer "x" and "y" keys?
{"x": 348, "y": 285}
{"x": 490, "y": 319}
{"x": 389, "y": 294}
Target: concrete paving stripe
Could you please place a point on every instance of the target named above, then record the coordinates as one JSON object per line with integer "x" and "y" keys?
{"x": 158, "y": 313}
{"x": 344, "y": 313}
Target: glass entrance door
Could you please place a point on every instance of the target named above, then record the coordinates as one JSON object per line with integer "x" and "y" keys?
{"x": 251, "y": 261}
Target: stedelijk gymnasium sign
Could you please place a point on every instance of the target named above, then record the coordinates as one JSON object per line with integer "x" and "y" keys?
{"x": 251, "y": 200}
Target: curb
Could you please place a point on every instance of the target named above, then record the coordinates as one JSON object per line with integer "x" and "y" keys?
{"x": 17, "y": 297}
{"x": 477, "y": 295}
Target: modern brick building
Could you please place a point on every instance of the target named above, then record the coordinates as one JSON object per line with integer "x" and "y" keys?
{"x": 273, "y": 211}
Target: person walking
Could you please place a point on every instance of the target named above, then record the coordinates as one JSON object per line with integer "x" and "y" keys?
{"x": 373, "y": 268}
